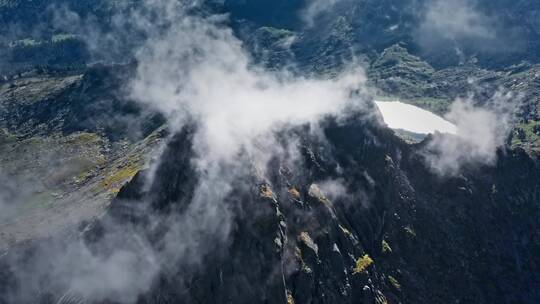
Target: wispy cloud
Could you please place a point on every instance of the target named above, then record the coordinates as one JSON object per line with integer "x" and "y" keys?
{"x": 463, "y": 24}
{"x": 315, "y": 8}
{"x": 480, "y": 132}
{"x": 196, "y": 72}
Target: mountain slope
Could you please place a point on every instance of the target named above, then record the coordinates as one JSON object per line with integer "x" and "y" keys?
{"x": 111, "y": 202}
{"x": 400, "y": 234}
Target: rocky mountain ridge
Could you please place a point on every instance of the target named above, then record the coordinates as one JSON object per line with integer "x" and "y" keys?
{"x": 401, "y": 234}
{"x": 108, "y": 206}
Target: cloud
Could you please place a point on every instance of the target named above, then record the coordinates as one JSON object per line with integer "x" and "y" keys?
{"x": 314, "y": 9}
{"x": 457, "y": 19}
{"x": 464, "y": 25}
{"x": 334, "y": 189}
{"x": 480, "y": 132}
{"x": 194, "y": 70}
{"x": 109, "y": 41}
{"x": 7, "y": 197}
{"x": 198, "y": 70}
{"x": 120, "y": 265}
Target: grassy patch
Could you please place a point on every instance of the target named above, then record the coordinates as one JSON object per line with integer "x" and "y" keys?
{"x": 266, "y": 192}
{"x": 394, "y": 283}
{"x": 435, "y": 105}
{"x": 528, "y": 132}
{"x": 362, "y": 264}
{"x": 82, "y": 177}
{"x": 83, "y": 139}
{"x": 290, "y": 299}
{"x": 6, "y": 138}
{"x": 120, "y": 176}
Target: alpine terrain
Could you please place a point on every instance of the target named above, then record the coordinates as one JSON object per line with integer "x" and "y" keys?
{"x": 261, "y": 151}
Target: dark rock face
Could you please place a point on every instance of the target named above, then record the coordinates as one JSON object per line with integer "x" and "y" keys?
{"x": 468, "y": 239}
{"x": 394, "y": 232}
{"x": 92, "y": 101}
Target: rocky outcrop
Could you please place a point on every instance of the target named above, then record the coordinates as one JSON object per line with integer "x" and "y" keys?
{"x": 393, "y": 233}
{"x": 66, "y": 149}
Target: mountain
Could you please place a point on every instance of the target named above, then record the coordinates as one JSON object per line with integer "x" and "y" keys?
{"x": 111, "y": 193}
{"x": 399, "y": 234}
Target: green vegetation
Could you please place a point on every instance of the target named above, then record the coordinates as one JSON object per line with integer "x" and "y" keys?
{"x": 275, "y": 33}
{"x": 6, "y": 137}
{"x": 436, "y": 105}
{"x": 362, "y": 264}
{"x": 120, "y": 176}
{"x": 527, "y": 132}
{"x": 82, "y": 177}
{"x": 398, "y": 56}
{"x": 85, "y": 138}
{"x": 394, "y": 283}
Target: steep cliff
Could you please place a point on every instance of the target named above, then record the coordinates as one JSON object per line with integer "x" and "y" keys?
{"x": 395, "y": 232}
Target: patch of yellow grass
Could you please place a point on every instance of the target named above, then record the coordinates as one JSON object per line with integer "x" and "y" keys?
{"x": 121, "y": 176}
{"x": 290, "y": 299}
{"x": 362, "y": 264}
{"x": 394, "y": 282}
{"x": 266, "y": 191}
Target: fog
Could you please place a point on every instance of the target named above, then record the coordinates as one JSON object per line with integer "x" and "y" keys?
{"x": 194, "y": 70}
{"x": 463, "y": 24}
{"x": 481, "y": 131}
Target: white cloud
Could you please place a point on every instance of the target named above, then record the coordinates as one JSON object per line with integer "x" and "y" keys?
{"x": 334, "y": 189}
{"x": 315, "y": 8}
{"x": 480, "y": 132}
{"x": 464, "y": 25}
{"x": 194, "y": 70}
{"x": 199, "y": 70}
{"x": 456, "y": 19}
